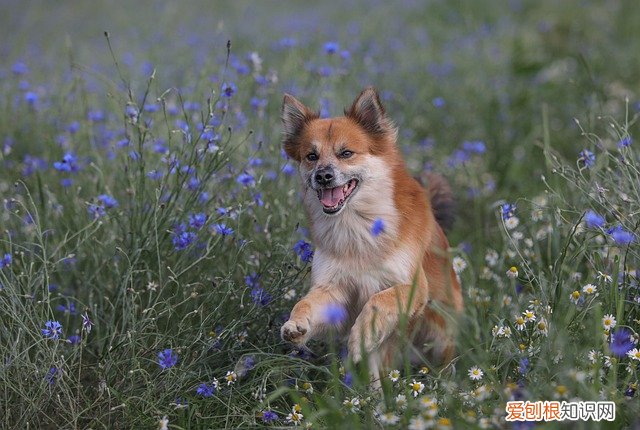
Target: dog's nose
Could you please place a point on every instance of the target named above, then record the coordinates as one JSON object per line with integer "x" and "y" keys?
{"x": 324, "y": 175}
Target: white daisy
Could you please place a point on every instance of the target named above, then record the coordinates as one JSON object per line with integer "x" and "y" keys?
{"x": 295, "y": 417}
{"x": 394, "y": 375}
{"x": 542, "y": 327}
{"x": 389, "y": 418}
{"x": 529, "y": 316}
{"x": 419, "y": 423}
{"x": 608, "y": 322}
{"x": 512, "y": 273}
{"x": 231, "y": 377}
{"x": 575, "y": 297}
{"x": 401, "y": 401}
{"x": 634, "y": 354}
{"x": 459, "y": 264}
{"x": 352, "y": 405}
{"x": 491, "y": 257}
{"x": 416, "y": 388}
{"x": 511, "y": 223}
{"x": 589, "y": 289}
{"x": 475, "y": 373}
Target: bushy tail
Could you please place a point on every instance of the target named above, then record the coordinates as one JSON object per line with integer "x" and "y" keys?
{"x": 442, "y": 203}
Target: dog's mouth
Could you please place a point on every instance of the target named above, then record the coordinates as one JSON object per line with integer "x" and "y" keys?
{"x": 333, "y": 199}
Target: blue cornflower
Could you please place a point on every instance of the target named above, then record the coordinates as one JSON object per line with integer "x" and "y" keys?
{"x": 67, "y": 164}
{"x": 154, "y": 175}
{"x": 207, "y": 390}
{"x": 474, "y": 146}
{"x": 108, "y": 201}
{"x": 31, "y": 98}
{"x": 50, "y": 377}
{"x": 269, "y": 416}
{"x": 193, "y": 183}
{"x": 229, "y": 89}
{"x": 73, "y": 127}
{"x": 197, "y": 221}
{"x": 257, "y": 198}
{"x": 507, "y": 210}
{"x": 183, "y": 239}
{"x": 331, "y": 47}
{"x": 252, "y": 280}
{"x": 348, "y": 379}
{"x": 288, "y": 169}
{"x": 523, "y": 367}
{"x": 260, "y": 297}
{"x": 19, "y": 68}
{"x": 96, "y": 211}
{"x": 245, "y": 179}
{"x": 458, "y": 157}
{"x": 377, "y": 227}
{"x": 69, "y": 308}
{"x": 621, "y": 236}
{"x": 255, "y": 162}
{"x": 258, "y": 103}
{"x": 621, "y": 342}
{"x": 52, "y": 330}
{"x": 131, "y": 111}
{"x": 95, "y": 115}
{"x": 334, "y": 314}
{"x": 304, "y": 251}
{"x": 593, "y": 220}
{"x": 625, "y": 142}
{"x": 86, "y": 323}
{"x": 587, "y": 157}
{"x": 6, "y": 261}
{"x": 32, "y": 165}
{"x": 222, "y": 229}
{"x": 74, "y": 339}
{"x": 438, "y": 102}
{"x": 167, "y": 358}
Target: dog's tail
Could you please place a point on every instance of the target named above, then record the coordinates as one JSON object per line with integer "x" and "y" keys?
{"x": 442, "y": 203}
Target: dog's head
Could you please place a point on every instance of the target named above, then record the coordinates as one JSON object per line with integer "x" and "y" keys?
{"x": 337, "y": 155}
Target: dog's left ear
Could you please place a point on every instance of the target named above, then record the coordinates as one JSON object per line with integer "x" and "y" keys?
{"x": 369, "y": 113}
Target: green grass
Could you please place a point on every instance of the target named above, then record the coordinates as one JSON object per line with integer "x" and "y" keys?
{"x": 536, "y": 81}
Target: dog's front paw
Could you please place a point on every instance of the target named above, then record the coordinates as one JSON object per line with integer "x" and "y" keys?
{"x": 369, "y": 330}
{"x": 296, "y": 332}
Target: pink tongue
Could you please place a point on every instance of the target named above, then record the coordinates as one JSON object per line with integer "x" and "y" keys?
{"x": 331, "y": 197}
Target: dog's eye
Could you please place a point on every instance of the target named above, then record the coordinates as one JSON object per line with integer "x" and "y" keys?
{"x": 345, "y": 154}
{"x": 312, "y": 157}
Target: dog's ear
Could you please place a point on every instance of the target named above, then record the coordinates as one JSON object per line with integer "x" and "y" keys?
{"x": 295, "y": 116}
{"x": 369, "y": 113}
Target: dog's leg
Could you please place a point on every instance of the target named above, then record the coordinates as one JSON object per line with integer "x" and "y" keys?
{"x": 381, "y": 314}
{"x": 309, "y": 316}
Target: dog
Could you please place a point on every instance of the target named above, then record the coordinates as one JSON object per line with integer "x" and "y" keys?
{"x": 380, "y": 247}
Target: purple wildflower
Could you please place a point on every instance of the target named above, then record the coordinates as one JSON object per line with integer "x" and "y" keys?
{"x": 52, "y": 330}
{"x": 593, "y": 220}
{"x": 304, "y": 251}
{"x": 6, "y": 261}
{"x": 377, "y": 227}
{"x": 621, "y": 342}
{"x": 334, "y": 314}
{"x": 587, "y": 157}
{"x": 269, "y": 416}
{"x": 167, "y": 358}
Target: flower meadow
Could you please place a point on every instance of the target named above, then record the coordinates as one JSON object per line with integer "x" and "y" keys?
{"x": 153, "y": 240}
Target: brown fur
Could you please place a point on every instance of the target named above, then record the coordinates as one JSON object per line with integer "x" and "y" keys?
{"x": 376, "y": 278}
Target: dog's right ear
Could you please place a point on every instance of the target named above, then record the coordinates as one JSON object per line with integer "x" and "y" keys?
{"x": 295, "y": 116}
